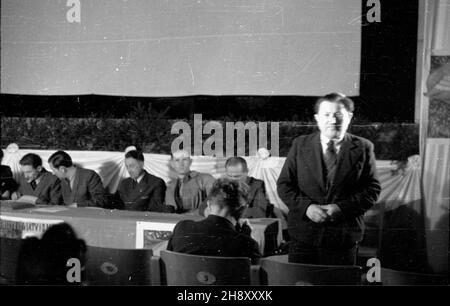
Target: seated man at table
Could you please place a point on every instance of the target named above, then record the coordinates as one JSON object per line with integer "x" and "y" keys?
{"x": 79, "y": 187}
{"x": 37, "y": 185}
{"x": 141, "y": 191}
{"x": 7, "y": 182}
{"x": 220, "y": 234}
{"x": 258, "y": 205}
{"x": 189, "y": 191}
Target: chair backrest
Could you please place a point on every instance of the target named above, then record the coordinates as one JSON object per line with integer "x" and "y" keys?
{"x": 391, "y": 277}
{"x": 196, "y": 270}
{"x": 9, "y": 254}
{"x": 105, "y": 266}
{"x": 276, "y": 270}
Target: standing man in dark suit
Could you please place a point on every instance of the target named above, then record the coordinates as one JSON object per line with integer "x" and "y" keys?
{"x": 141, "y": 191}
{"x": 7, "y": 182}
{"x": 328, "y": 181}
{"x": 80, "y": 187}
{"x": 221, "y": 233}
{"x": 37, "y": 184}
{"x": 258, "y": 205}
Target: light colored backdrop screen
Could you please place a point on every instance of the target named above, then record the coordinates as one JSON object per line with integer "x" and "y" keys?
{"x": 180, "y": 47}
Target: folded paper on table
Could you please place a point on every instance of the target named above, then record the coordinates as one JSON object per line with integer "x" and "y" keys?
{"x": 51, "y": 209}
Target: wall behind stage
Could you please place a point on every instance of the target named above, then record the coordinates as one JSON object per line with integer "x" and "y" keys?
{"x": 177, "y": 48}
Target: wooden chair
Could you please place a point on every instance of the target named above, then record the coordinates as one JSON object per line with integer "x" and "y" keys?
{"x": 195, "y": 270}
{"x": 106, "y": 266}
{"x": 276, "y": 270}
{"x": 391, "y": 277}
{"x": 9, "y": 254}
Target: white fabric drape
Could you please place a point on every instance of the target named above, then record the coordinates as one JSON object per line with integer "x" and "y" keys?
{"x": 436, "y": 187}
{"x": 398, "y": 187}
{"x": 441, "y": 28}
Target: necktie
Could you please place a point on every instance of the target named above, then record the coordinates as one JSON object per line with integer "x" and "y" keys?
{"x": 330, "y": 162}
{"x": 177, "y": 196}
{"x": 68, "y": 184}
{"x": 134, "y": 184}
{"x": 33, "y": 184}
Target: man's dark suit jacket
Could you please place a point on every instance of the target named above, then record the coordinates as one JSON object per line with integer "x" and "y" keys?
{"x": 213, "y": 236}
{"x": 48, "y": 191}
{"x": 87, "y": 189}
{"x": 258, "y": 204}
{"x": 7, "y": 182}
{"x": 147, "y": 195}
{"x": 355, "y": 189}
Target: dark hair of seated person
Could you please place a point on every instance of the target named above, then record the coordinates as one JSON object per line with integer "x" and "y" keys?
{"x": 44, "y": 261}
{"x": 231, "y": 194}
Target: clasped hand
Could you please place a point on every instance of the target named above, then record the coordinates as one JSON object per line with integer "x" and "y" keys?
{"x": 322, "y": 213}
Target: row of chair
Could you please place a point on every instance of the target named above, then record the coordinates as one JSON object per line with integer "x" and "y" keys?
{"x": 106, "y": 266}
{"x": 140, "y": 267}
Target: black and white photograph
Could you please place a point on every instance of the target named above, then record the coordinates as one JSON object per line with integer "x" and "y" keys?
{"x": 252, "y": 144}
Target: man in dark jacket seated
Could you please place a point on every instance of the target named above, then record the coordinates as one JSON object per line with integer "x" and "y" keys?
{"x": 37, "y": 185}
{"x": 258, "y": 204}
{"x": 79, "y": 187}
{"x": 220, "y": 234}
{"x": 141, "y": 191}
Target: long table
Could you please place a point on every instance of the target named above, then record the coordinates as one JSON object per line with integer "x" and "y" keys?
{"x": 106, "y": 228}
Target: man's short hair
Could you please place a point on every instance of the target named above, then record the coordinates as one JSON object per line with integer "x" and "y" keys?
{"x": 179, "y": 151}
{"x": 228, "y": 193}
{"x": 60, "y": 158}
{"x": 135, "y": 154}
{"x": 336, "y": 98}
{"x": 236, "y": 160}
{"x": 31, "y": 159}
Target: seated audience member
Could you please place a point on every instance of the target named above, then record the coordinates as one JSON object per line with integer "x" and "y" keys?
{"x": 44, "y": 261}
{"x": 220, "y": 234}
{"x": 7, "y": 182}
{"x": 141, "y": 191}
{"x": 79, "y": 187}
{"x": 37, "y": 184}
{"x": 258, "y": 204}
{"x": 187, "y": 193}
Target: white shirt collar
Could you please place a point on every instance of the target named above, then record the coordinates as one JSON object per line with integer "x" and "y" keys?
{"x": 325, "y": 140}
{"x": 140, "y": 177}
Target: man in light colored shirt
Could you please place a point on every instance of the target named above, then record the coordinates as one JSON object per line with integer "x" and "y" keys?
{"x": 187, "y": 193}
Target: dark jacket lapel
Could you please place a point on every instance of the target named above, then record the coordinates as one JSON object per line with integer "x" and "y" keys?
{"x": 313, "y": 159}
{"x": 76, "y": 181}
{"x": 348, "y": 156}
{"x": 136, "y": 193}
{"x": 43, "y": 182}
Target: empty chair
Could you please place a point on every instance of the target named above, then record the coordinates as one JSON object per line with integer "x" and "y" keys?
{"x": 9, "y": 253}
{"x": 391, "y": 277}
{"x": 197, "y": 270}
{"x": 105, "y": 266}
{"x": 276, "y": 270}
